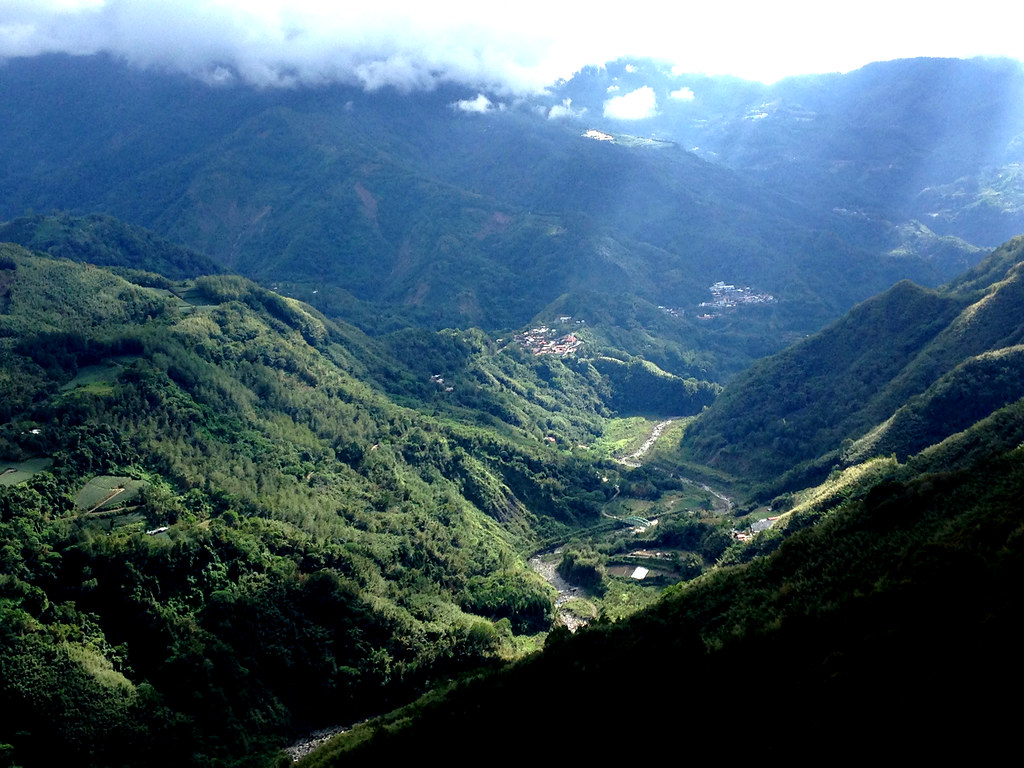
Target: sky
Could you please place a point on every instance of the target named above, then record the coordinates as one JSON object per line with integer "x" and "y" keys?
{"x": 502, "y": 48}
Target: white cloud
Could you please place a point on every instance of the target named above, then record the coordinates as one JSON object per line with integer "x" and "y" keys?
{"x": 494, "y": 48}
{"x": 682, "y": 94}
{"x": 611, "y": 89}
{"x": 565, "y": 110}
{"x": 272, "y": 42}
{"x": 479, "y": 105}
{"x": 635, "y": 105}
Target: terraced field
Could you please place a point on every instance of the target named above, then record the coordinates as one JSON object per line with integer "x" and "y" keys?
{"x": 105, "y": 493}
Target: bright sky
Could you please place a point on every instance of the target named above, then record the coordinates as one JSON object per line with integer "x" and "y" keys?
{"x": 511, "y": 47}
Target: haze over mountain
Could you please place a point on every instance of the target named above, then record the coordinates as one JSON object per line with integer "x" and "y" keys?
{"x": 936, "y": 141}
{"x": 495, "y": 217}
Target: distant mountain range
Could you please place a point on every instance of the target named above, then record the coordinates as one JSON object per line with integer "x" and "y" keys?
{"x": 939, "y": 141}
{"x": 390, "y": 208}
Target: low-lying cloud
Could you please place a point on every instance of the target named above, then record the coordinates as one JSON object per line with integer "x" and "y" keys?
{"x": 273, "y": 43}
{"x": 565, "y": 111}
{"x": 635, "y": 105}
{"x": 480, "y": 105}
{"x": 500, "y": 49}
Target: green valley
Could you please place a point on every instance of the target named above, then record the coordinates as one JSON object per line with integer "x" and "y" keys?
{"x": 879, "y": 597}
{"x": 212, "y": 483}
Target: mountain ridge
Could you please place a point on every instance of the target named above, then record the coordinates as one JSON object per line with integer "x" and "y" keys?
{"x": 908, "y": 340}
{"x": 477, "y": 219}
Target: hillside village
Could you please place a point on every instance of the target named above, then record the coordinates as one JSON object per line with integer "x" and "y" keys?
{"x": 543, "y": 340}
{"x": 726, "y": 298}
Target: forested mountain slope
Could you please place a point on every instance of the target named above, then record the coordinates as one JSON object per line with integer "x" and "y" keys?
{"x": 487, "y": 382}
{"x": 878, "y": 613}
{"x": 227, "y": 517}
{"x": 106, "y": 242}
{"x": 926, "y": 363}
{"x": 888, "y": 626}
{"x": 219, "y": 529}
{"x": 430, "y": 214}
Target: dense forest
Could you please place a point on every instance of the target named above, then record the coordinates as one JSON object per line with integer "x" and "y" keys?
{"x": 900, "y": 372}
{"x": 228, "y": 519}
{"x": 226, "y": 502}
{"x": 886, "y": 626}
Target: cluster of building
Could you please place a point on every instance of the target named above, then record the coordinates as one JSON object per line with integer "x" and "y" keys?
{"x": 544, "y": 341}
{"x": 725, "y": 297}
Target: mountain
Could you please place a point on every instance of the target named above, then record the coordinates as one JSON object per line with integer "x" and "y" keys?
{"x": 220, "y": 529}
{"x": 898, "y": 373}
{"x": 937, "y": 141}
{"x": 107, "y": 242}
{"x": 229, "y": 517}
{"x": 229, "y": 520}
{"x": 886, "y": 627}
{"x": 877, "y": 612}
{"x": 387, "y": 209}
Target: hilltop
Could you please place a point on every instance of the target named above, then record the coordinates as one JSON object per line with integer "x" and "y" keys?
{"x": 898, "y": 373}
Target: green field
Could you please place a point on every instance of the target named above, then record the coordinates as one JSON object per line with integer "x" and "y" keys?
{"x": 195, "y": 298}
{"x": 13, "y": 473}
{"x": 621, "y": 436}
{"x": 106, "y": 492}
{"x": 98, "y": 379}
{"x": 667, "y": 447}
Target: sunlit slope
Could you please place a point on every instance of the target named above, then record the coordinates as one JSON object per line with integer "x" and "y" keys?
{"x": 934, "y": 142}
